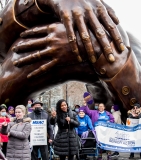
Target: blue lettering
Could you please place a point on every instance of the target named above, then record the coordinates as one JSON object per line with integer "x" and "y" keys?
{"x": 37, "y": 122}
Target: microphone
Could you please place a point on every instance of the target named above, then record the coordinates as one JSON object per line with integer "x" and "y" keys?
{"x": 67, "y": 116}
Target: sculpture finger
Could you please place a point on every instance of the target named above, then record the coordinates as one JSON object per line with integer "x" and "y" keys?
{"x": 32, "y": 58}
{"x": 44, "y": 68}
{"x": 101, "y": 36}
{"x": 34, "y": 32}
{"x": 85, "y": 36}
{"x": 111, "y": 13}
{"x": 111, "y": 27}
{"x": 70, "y": 34}
{"x": 31, "y": 45}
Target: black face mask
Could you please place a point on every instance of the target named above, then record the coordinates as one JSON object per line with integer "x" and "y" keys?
{"x": 38, "y": 110}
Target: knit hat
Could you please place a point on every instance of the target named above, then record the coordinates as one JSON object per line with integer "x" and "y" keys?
{"x": 137, "y": 104}
{"x": 81, "y": 110}
{"x": 116, "y": 107}
{"x": 4, "y": 105}
{"x": 88, "y": 98}
{"x": 10, "y": 107}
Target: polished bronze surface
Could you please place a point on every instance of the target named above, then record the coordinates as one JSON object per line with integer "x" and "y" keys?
{"x": 51, "y": 52}
{"x": 133, "y": 101}
{"x": 125, "y": 90}
{"x": 102, "y": 71}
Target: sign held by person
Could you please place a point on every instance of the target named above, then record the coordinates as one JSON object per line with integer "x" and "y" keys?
{"x": 38, "y": 135}
{"x": 132, "y": 122}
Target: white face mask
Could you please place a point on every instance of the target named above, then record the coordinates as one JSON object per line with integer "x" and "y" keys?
{"x": 96, "y": 107}
{"x": 3, "y": 114}
{"x": 29, "y": 105}
{"x": 76, "y": 109}
{"x": 112, "y": 110}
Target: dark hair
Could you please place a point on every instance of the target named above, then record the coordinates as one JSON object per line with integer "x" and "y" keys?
{"x": 2, "y": 107}
{"x": 58, "y": 105}
{"x": 30, "y": 100}
{"x": 77, "y": 106}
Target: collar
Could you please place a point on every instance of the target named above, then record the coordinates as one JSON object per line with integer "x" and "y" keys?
{"x": 101, "y": 112}
{"x": 19, "y": 120}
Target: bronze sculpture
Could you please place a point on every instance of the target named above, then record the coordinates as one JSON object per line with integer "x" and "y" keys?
{"x": 45, "y": 56}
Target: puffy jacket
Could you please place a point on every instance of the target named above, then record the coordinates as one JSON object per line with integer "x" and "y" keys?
{"x": 66, "y": 139}
{"x": 18, "y": 145}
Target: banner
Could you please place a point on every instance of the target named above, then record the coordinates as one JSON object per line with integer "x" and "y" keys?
{"x": 3, "y": 138}
{"x": 132, "y": 122}
{"x": 116, "y": 137}
{"x": 38, "y": 135}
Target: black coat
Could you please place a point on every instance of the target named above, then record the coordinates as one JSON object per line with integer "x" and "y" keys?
{"x": 64, "y": 145}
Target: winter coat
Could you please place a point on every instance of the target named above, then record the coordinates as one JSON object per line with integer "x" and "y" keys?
{"x": 117, "y": 117}
{"x": 18, "y": 145}
{"x": 42, "y": 115}
{"x": 133, "y": 117}
{"x": 66, "y": 142}
{"x": 85, "y": 124}
{"x": 94, "y": 114}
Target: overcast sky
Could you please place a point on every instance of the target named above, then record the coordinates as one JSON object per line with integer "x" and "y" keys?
{"x": 129, "y": 14}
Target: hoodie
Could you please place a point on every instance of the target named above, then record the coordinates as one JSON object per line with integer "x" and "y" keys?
{"x": 85, "y": 124}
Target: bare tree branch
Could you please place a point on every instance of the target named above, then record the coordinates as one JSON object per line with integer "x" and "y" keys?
{"x": 6, "y": 1}
{"x": 1, "y": 4}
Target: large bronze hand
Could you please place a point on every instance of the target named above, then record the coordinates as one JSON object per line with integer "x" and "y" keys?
{"x": 80, "y": 14}
{"x": 53, "y": 52}
{"x": 52, "y": 45}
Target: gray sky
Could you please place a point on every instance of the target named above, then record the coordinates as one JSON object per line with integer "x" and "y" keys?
{"x": 129, "y": 14}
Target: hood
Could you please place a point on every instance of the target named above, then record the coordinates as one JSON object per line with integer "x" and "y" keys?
{"x": 28, "y": 119}
{"x": 117, "y": 112}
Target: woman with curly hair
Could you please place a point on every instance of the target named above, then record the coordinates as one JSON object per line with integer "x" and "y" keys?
{"x": 65, "y": 143}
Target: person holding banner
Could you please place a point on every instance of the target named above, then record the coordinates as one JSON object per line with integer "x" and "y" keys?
{"x": 18, "y": 132}
{"x": 134, "y": 113}
{"x": 38, "y": 117}
{"x": 99, "y": 115}
{"x": 117, "y": 118}
{"x": 65, "y": 143}
{"x": 116, "y": 114}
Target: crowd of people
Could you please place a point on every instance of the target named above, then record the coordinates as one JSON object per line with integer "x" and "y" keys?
{"x": 71, "y": 125}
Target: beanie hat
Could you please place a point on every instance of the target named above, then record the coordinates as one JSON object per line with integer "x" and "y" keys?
{"x": 10, "y": 107}
{"x": 116, "y": 107}
{"x": 4, "y": 105}
{"x": 81, "y": 110}
{"x": 137, "y": 104}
